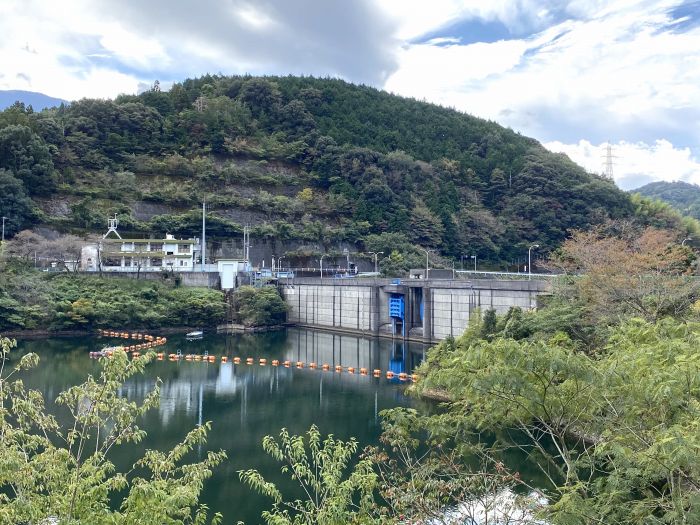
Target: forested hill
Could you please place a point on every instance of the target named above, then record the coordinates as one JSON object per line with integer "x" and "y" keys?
{"x": 682, "y": 196}
{"x": 297, "y": 158}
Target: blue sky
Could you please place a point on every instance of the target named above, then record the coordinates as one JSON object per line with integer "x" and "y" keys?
{"x": 573, "y": 74}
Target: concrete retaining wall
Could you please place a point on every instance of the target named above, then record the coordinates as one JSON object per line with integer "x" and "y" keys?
{"x": 190, "y": 279}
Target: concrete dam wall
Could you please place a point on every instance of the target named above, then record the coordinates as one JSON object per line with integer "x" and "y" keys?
{"x": 426, "y": 310}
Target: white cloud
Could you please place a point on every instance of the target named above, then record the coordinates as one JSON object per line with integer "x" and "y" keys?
{"x": 614, "y": 70}
{"x": 637, "y": 163}
{"x": 47, "y": 47}
{"x": 619, "y": 71}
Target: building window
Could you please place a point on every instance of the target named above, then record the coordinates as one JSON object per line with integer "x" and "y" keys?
{"x": 183, "y": 248}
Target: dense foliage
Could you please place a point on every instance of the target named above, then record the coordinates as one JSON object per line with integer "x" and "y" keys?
{"x": 53, "y": 472}
{"x": 600, "y": 388}
{"x": 299, "y": 158}
{"x": 259, "y": 306}
{"x": 683, "y": 196}
{"x": 31, "y": 300}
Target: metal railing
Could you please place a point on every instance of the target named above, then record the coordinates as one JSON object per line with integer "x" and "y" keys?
{"x": 516, "y": 276}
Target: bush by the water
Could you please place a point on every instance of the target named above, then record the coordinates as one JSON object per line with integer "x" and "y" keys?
{"x": 259, "y": 306}
{"x": 31, "y": 300}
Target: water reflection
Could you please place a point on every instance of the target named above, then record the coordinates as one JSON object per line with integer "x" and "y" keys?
{"x": 245, "y": 402}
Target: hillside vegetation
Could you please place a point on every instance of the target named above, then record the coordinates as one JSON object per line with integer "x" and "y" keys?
{"x": 683, "y": 196}
{"x": 298, "y": 158}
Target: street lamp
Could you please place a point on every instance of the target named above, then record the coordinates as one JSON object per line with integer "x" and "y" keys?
{"x": 686, "y": 239}
{"x": 529, "y": 260}
{"x": 279, "y": 263}
{"x": 322, "y": 256}
{"x": 474, "y": 257}
{"x": 427, "y": 261}
{"x": 376, "y": 256}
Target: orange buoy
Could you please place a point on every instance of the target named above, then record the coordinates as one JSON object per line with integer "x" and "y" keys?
{"x": 160, "y": 355}
{"x": 197, "y": 357}
{"x": 414, "y": 377}
{"x": 212, "y": 358}
{"x": 351, "y": 370}
{"x": 403, "y": 376}
{"x": 376, "y": 372}
{"x": 300, "y": 364}
{"x": 338, "y": 368}
{"x": 287, "y": 364}
{"x": 363, "y": 371}
{"x": 263, "y": 361}
{"x": 249, "y": 361}
{"x": 136, "y": 354}
{"x": 275, "y": 362}
{"x": 224, "y": 359}
{"x": 312, "y": 365}
{"x": 326, "y": 366}
{"x": 172, "y": 356}
{"x": 237, "y": 360}
{"x": 389, "y": 374}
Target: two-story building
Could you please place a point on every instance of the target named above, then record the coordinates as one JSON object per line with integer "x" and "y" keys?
{"x": 116, "y": 254}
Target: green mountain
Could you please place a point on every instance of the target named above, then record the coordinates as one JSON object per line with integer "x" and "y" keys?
{"x": 682, "y": 196}
{"x": 299, "y": 159}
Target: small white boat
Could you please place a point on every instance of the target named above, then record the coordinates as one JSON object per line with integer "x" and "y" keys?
{"x": 197, "y": 334}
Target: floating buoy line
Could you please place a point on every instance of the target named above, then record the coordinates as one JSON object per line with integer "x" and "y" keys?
{"x": 150, "y": 341}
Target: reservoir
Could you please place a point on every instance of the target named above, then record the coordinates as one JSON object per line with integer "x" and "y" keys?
{"x": 245, "y": 402}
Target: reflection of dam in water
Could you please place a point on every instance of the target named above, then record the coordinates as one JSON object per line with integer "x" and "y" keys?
{"x": 185, "y": 384}
{"x": 348, "y": 350}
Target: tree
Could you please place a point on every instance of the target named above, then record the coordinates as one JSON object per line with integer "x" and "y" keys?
{"x": 27, "y": 156}
{"x": 259, "y": 306}
{"x": 426, "y": 229}
{"x": 627, "y": 271}
{"x": 65, "y": 251}
{"x": 25, "y": 245}
{"x": 61, "y": 473}
{"x": 338, "y": 485}
{"x": 615, "y": 434}
{"x": 19, "y": 210}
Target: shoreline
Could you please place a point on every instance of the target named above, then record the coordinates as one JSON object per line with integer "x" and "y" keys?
{"x": 42, "y": 333}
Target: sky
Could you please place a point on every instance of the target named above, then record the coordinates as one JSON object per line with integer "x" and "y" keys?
{"x": 574, "y": 74}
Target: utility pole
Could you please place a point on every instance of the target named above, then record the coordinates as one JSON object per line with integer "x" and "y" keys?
{"x": 529, "y": 260}
{"x": 204, "y": 233}
{"x": 322, "y": 256}
{"x": 3, "y": 229}
{"x": 246, "y": 245}
{"x": 376, "y": 256}
{"x": 474, "y": 257}
{"x": 427, "y": 261}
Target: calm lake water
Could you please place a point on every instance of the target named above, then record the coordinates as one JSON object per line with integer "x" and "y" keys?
{"x": 245, "y": 402}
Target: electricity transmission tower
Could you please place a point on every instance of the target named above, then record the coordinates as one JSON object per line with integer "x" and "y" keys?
{"x": 608, "y": 170}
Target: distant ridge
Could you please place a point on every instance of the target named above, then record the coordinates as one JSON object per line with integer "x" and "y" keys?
{"x": 38, "y": 101}
{"x": 683, "y": 196}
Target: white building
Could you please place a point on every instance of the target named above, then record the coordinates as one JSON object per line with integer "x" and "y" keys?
{"x": 170, "y": 254}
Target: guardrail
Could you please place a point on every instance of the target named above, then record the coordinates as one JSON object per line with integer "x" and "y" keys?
{"x": 471, "y": 274}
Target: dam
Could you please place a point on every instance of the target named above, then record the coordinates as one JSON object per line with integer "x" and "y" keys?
{"x": 424, "y": 310}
